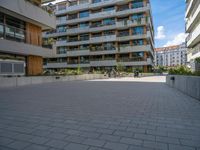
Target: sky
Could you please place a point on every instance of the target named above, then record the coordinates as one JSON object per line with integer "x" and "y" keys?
{"x": 169, "y": 21}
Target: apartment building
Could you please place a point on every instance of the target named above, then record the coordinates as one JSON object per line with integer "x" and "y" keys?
{"x": 101, "y": 34}
{"x": 21, "y": 25}
{"x": 171, "y": 56}
{"x": 193, "y": 29}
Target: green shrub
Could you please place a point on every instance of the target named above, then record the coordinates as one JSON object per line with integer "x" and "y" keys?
{"x": 183, "y": 70}
{"x": 197, "y": 60}
{"x": 180, "y": 70}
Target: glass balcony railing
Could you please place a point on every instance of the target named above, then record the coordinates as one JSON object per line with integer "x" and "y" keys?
{"x": 19, "y": 35}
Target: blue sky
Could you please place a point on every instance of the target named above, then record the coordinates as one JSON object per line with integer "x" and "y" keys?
{"x": 169, "y": 16}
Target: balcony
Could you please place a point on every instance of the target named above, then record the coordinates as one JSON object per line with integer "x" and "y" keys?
{"x": 103, "y": 50}
{"x": 130, "y": 37}
{"x": 79, "y": 52}
{"x": 29, "y": 12}
{"x": 103, "y": 14}
{"x": 194, "y": 37}
{"x": 13, "y": 40}
{"x": 73, "y": 8}
{"x": 61, "y": 43}
{"x": 193, "y": 19}
{"x": 55, "y": 65}
{"x": 76, "y": 64}
{"x": 87, "y": 5}
{"x": 127, "y": 49}
{"x": 138, "y": 61}
{"x": 101, "y": 39}
{"x": 99, "y": 63}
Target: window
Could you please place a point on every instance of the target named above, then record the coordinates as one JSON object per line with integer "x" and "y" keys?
{"x": 84, "y": 37}
{"x": 109, "y": 21}
{"x": 109, "y": 8}
{"x": 138, "y": 42}
{"x": 138, "y": 30}
{"x": 84, "y": 25}
{"x": 61, "y": 50}
{"x": 137, "y": 4}
{"x": 96, "y": 1}
{"x": 61, "y": 29}
{"x": 109, "y": 33}
{"x": 137, "y": 16}
{"x": 84, "y": 14}
{"x": 61, "y": 6}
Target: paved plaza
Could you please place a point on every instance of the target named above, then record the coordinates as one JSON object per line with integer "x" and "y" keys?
{"x": 111, "y": 114}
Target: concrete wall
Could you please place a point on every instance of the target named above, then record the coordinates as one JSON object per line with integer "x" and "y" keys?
{"x": 21, "y": 81}
{"x": 189, "y": 85}
{"x": 28, "y": 12}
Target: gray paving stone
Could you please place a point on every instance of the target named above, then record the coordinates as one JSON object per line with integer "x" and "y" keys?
{"x": 94, "y": 142}
{"x": 131, "y": 141}
{"x": 139, "y": 148}
{"x": 156, "y": 145}
{"x": 111, "y": 138}
{"x": 5, "y": 141}
{"x": 96, "y": 148}
{"x": 56, "y": 143}
{"x": 180, "y": 147}
{"x": 145, "y": 137}
{"x": 18, "y": 145}
{"x": 74, "y": 146}
{"x": 123, "y": 133}
{"x": 39, "y": 140}
{"x": 75, "y": 139}
{"x": 36, "y": 147}
{"x": 116, "y": 146}
{"x": 195, "y": 143}
{"x": 167, "y": 140}
{"x": 106, "y": 131}
{"x": 72, "y": 112}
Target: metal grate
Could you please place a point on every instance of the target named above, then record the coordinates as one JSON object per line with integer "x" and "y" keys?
{"x": 18, "y": 68}
{"x": 6, "y": 67}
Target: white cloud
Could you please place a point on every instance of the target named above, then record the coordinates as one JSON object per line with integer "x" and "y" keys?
{"x": 178, "y": 39}
{"x": 160, "y": 33}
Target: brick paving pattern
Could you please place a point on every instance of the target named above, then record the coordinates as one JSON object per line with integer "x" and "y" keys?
{"x": 88, "y": 115}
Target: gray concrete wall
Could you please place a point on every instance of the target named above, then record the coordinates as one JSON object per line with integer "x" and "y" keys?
{"x": 14, "y": 47}
{"x": 21, "y": 81}
{"x": 189, "y": 85}
{"x": 28, "y": 12}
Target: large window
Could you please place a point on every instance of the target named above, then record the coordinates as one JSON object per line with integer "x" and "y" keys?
{"x": 12, "y": 28}
{"x": 109, "y": 8}
{"x": 138, "y": 30}
{"x": 137, "y": 4}
{"x": 137, "y": 16}
{"x": 61, "y": 50}
{"x": 83, "y": 14}
{"x": 84, "y": 25}
{"x": 138, "y": 42}
{"x": 109, "y": 21}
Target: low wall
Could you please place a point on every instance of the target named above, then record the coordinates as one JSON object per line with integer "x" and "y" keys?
{"x": 189, "y": 85}
{"x": 21, "y": 81}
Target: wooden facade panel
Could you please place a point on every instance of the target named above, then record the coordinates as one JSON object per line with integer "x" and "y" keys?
{"x": 34, "y": 65}
{"x": 33, "y": 34}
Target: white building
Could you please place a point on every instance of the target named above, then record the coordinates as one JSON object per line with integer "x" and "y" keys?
{"x": 193, "y": 29}
{"x": 171, "y": 56}
{"x": 102, "y": 34}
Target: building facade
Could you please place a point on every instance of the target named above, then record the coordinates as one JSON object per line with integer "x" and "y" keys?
{"x": 101, "y": 34}
{"x": 193, "y": 29}
{"x": 21, "y": 25}
{"x": 171, "y": 56}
